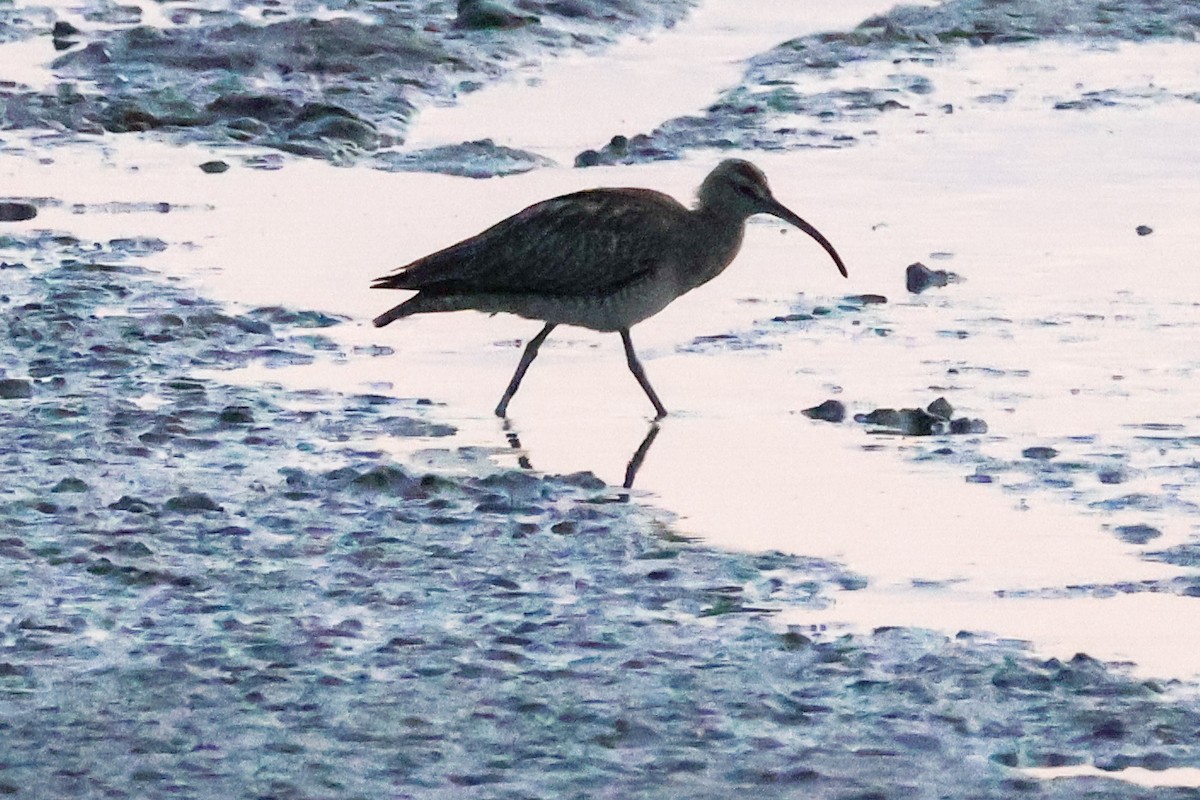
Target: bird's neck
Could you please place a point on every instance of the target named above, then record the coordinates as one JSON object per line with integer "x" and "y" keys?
{"x": 717, "y": 240}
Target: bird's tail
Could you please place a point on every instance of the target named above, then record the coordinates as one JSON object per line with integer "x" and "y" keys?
{"x": 396, "y": 312}
{"x": 425, "y": 303}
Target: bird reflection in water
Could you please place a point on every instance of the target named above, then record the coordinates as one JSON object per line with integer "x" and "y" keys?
{"x": 631, "y": 468}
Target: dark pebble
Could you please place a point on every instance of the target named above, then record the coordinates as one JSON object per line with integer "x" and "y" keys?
{"x": 880, "y": 416}
{"x": 941, "y": 408}
{"x": 918, "y": 422}
{"x": 322, "y": 121}
{"x": 236, "y": 415}
{"x": 918, "y": 278}
{"x": 134, "y": 505}
{"x": 866, "y": 299}
{"x": 1144, "y": 230}
{"x": 182, "y": 386}
{"x": 1137, "y": 534}
{"x": 829, "y": 411}
{"x": 384, "y": 479}
{"x": 965, "y": 425}
{"x": 794, "y": 641}
{"x": 191, "y": 503}
{"x": 16, "y": 212}
{"x": 63, "y": 30}
{"x": 588, "y": 158}
{"x": 265, "y": 108}
{"x": 70, "y": 485}
{"x": 488, "y": 15}
{"x": 15, "y": 389}
{"x": 584, "y": 480}
{"x": 851, "y": 583}
{"x": 214, "y": 167}
{"x": 1039, "y": 453}
{"x": 908, "y": 421}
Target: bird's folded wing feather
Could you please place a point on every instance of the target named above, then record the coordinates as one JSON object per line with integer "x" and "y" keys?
{"x": 590, "y": 242}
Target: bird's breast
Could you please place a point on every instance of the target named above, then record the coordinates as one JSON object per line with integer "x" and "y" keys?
{"x": 713, "y": 249}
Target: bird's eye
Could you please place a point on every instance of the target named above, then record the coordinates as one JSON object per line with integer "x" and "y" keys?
{"x": 747, "y": 191}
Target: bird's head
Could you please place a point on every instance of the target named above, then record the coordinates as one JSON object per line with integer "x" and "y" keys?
{"x": 738, "y": 188}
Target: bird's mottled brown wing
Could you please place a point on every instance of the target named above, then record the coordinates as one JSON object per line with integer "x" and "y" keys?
{"x": 585, "y": 243}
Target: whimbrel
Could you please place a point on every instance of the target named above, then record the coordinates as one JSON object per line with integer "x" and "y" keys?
{"x": 604, "y": 259}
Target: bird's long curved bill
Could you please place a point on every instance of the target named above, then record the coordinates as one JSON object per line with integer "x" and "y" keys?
{"x": 785, "y": 214}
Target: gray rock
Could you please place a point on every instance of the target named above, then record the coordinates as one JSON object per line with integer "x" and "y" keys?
{"x": 133, "y": 505}
{"x": 321, "y": 121}
{"x": 191, "y": 503}
{"x": 906, "y": 421}
{"x": 64, "y": 30}
{"x": 264, "y": 108}
{"x": 1137, "y": 534}
{"x": 828, "y": 411}
{"x": 941, "y": 408}
{"x": 489, "y": 15}
{"x": 13, "y": 211}
{"x": 15, "y": 389}
{"x": 480, "y": 159}
{"x": 236, "y": 415}
{"x": 968, "y": 426}
{"x": 918, "y": 278}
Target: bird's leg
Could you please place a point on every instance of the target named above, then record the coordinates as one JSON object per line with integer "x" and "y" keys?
{"x": 531, "y": 351}
{"x": 636, "y": 368}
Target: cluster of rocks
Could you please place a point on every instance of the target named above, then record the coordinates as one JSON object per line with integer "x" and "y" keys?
{"x": 936, "y": 419}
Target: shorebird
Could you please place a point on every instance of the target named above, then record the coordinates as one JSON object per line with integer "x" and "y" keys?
{"x": 604, "y": 259}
